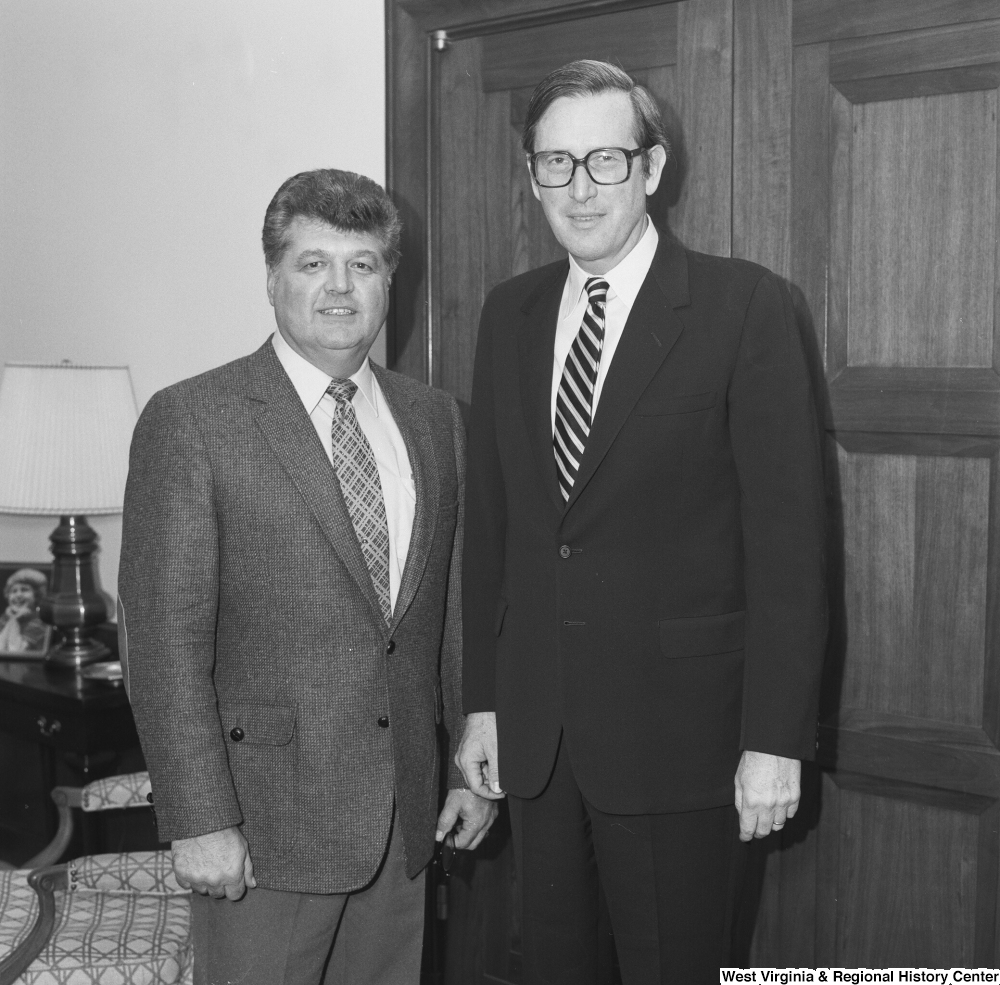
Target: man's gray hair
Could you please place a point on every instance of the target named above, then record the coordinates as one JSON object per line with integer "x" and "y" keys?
{"x": 347, "y": 201}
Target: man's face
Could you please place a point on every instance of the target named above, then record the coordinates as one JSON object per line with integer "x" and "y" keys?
{"x": 330, "y": 294}
{"x": 597, "y": 224}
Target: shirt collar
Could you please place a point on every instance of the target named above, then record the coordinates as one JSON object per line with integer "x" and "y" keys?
{"x": 310, "y": 381}
{"x": 626, "y": 278}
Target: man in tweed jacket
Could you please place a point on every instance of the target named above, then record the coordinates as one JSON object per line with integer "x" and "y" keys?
{"x": 287, "y": 687}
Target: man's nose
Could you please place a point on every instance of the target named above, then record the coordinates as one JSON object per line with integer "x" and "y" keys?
{"x": 582, "y": 187}
{"x": 338, "y": 279}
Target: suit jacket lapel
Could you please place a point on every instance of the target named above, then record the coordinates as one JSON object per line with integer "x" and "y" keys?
{"x": 413, "y": 426}
{"x": 536, "y": 346}
{"x": 293, "y": 439}
{"x": 650, "y": 332}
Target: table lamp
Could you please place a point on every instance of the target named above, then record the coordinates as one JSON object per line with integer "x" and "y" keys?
{"x": 64, "y": 439}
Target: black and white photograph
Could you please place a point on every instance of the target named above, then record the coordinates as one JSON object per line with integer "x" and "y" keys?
{"x": 521, "y": 485}
{"x": 23, "y": 635}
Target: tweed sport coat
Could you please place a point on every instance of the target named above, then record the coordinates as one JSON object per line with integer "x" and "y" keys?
{"x": 258, "y": 661}
{"x": 673, "y": 611}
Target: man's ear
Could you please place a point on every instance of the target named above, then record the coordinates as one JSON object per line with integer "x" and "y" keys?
{"x": 531, "y": 178}
{"x": 657, "y": 161}
{"x": 271, "y": 275}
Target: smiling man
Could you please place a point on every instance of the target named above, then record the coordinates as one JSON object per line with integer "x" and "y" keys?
{"x": 644, "y": 560}
{"x": 293, "y": 750}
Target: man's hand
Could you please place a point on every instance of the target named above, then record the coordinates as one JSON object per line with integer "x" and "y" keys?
{"x": 473, "y": 814}
{"x": 477, "y": 755}
{"x": 217, "y": 864}
{"x": 767, "y": 793}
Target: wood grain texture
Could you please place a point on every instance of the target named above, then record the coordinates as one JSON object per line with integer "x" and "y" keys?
{"x": 925, "y": 445}
{"x": 969, "y": 78}
{"x": 916, "y": 531}
{"x": 461, "y": 207}
{"x": 810, "y": 217}
{"x": 915, "y": 51}
{"x": 956, "y": 401}
{"x": 632, "y": 39}
{"x": 497, "y": 141}
{"x": 914, "y": 793}
{"x": 702, "y": 217}
{"x": 907, "y": 883}
{"x": 828, "y": 873}
{"x": 829, "y": 20}
{"x": 991, "y": 695}
{"x": 406, "y": 181}
{"x": 467, "y": 18}
{"x": 948, "y": 764}
{"x": 841, "y": 221}
{"x": 762, "y": 113}
{"x": 923, "y": 261}
{"x": 987, "y": 884}
{"x": 532, "y": 242}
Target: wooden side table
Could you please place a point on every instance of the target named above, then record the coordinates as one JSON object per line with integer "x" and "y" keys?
{"x": 57, "y": 728}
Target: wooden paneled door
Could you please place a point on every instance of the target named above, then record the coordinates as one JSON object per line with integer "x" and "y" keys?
{"x": 893, "y": 240}
{"x": 851, "y": 146}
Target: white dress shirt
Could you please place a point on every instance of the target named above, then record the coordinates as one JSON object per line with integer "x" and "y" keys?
{"x": 624, "y": 282}
{"x": 375, "y": 418}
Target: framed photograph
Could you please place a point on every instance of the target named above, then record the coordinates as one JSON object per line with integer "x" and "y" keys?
{"x": 23, "y": 635}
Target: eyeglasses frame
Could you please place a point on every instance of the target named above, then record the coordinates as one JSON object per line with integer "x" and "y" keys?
{"x": 630, "y": 155}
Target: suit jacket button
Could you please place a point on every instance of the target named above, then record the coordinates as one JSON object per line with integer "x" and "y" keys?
{"x": 390, "y": 647}
{"x": 384, "y": 721}
{"x": 564, "y": 551}
{"x": 237, "y": 734}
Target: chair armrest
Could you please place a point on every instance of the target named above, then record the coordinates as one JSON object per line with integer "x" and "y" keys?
{"x": 45, "y": 882}
{"x": 116, "y": 792}
{"x": 110, "y": 793}
{"x": 131, "y": 872}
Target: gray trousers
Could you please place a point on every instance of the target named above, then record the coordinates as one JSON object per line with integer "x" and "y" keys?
{"x": 373, "y": 936}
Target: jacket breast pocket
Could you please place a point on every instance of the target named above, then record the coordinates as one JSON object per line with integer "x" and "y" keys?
{"x": 702, "y": 636}
{"x": 659, "y": 404}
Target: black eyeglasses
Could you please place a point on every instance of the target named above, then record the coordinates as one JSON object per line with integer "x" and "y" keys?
{"x": 605, "y": 165}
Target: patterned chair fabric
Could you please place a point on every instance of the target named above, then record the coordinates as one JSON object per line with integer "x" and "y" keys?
{"x": 123, "y": 921}
{"x": 114, "y": 792}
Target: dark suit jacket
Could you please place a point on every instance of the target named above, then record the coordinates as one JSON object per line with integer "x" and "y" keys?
{"x": 248, "y": 606}
{"x": 673, "y": 612}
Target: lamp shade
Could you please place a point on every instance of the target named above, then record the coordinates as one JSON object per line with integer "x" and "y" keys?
{"x": 64, "y": 438}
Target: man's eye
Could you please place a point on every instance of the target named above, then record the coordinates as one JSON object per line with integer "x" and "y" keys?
{"x": 313, "y": 265}
{"x": 602, "y": 157}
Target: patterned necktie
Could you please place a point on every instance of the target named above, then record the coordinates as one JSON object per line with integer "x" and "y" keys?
{"x": 575, "y": 396}
{"x": 357, "y": 473}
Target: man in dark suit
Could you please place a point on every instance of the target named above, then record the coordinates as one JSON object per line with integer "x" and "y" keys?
{"x": 644, "y": 564}
{"x": 290, "y": 617}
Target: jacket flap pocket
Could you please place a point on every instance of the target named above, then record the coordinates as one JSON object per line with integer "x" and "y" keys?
{"x": 271, "y": 725}
{"x": 658, "y": 404}
{"x": 702, "y": 635}
{"x": 501, "y": 612}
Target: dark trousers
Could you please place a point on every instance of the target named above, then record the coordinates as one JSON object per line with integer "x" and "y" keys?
{"x": 370, "y": 937}
{"x": 670, "y": 881}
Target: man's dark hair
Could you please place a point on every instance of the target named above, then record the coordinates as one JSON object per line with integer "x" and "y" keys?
{"x": 587, "y": 77}
{"x": 347, "y": 201}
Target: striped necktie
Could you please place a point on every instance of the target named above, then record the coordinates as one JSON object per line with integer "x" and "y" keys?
{"x": 354, "y": 463}
{"x": 575, "y": 396}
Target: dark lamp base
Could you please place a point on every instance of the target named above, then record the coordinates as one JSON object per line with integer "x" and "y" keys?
{"x": 73, "y": 606}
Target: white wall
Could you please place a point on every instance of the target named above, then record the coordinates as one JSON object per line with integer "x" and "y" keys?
{"x": 140, "y": 142}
